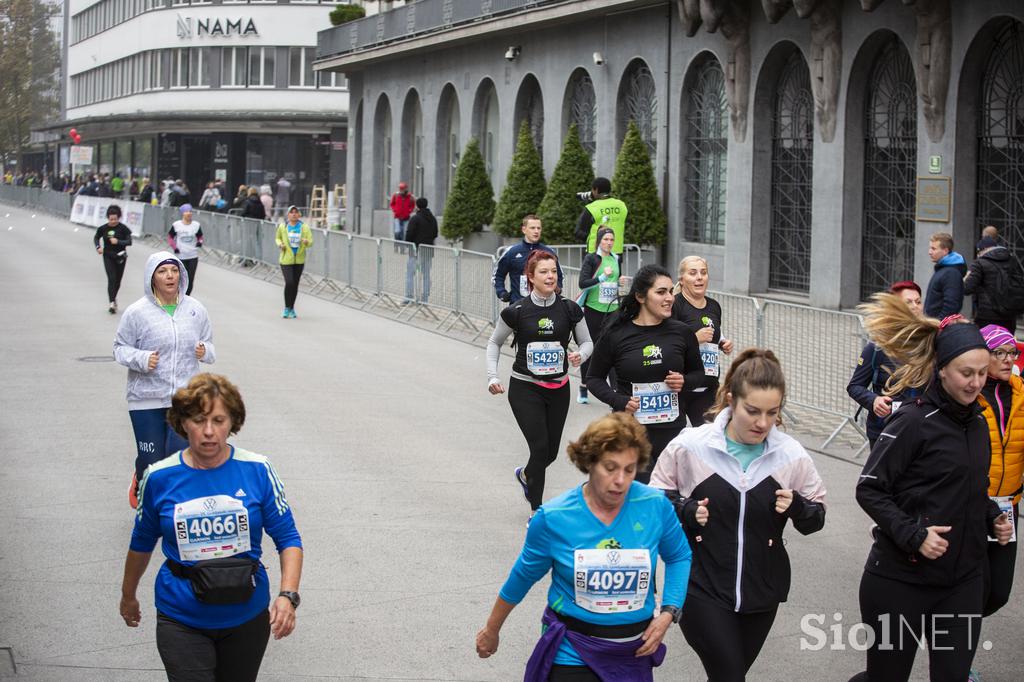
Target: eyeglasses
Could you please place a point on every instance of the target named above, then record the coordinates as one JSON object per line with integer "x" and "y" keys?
{"x": 1002, "y": 355}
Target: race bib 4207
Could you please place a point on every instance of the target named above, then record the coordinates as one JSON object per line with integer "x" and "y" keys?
{"x": 211, "y": 527}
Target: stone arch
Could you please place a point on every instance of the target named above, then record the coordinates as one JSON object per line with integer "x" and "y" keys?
{"x": 638, "y": 101}
{"x": 881, "y": 115}
{"x": 530, "y": 108}
{"x": 580, "y": 107}
{"x": 704, "y": 126}
{"x": 487, "y": 124}
{"x": 447, "y": 144}
{"x": 382, "y": 166}
{"x": 412, "y": 171}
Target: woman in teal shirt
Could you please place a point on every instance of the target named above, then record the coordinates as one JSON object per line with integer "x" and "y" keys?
{"x": 599, "y": 297}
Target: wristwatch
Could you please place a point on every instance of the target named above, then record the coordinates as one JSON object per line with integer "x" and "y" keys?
{"x": 673, "y": 611}
{"x": 293, "y": 597}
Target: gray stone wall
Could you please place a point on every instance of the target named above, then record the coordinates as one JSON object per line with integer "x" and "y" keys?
{"x": 656, "y": 35}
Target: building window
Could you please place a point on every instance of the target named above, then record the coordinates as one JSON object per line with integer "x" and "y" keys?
{"x": 707, "y": 147}
{"x": 890, "y": 163}
{"x": 179, "y": 67}
{"x": 300, "y": 67}
{"x": 199, "y": 67}
{"x": 639, "y": 102}
{"x": 332, "y": 80}
{"x": 1000, "y": 193}
{"x": 233, "y": 67}
{"x": 583, "y": 109}
{"x": 261, "y": 67}
{"x": 789, "y": 262}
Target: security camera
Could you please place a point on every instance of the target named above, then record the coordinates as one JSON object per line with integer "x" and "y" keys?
{"x": 598, "y": 58}
{"x": 512, "y": 52}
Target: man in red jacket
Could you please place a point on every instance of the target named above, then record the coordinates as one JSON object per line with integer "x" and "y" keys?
{"x": 402, "y": 205}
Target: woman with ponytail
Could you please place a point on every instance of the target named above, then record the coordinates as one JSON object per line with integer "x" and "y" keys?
{"x": 925, "y": 485}
{"x": 748, "y": 478}
{"x": 653, "y": 356}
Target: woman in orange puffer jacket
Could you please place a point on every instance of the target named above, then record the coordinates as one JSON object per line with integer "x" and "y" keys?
{"x": 1003, "y": 401}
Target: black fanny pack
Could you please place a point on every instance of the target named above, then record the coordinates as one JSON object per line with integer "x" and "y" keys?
{"x": 228, "y": 580}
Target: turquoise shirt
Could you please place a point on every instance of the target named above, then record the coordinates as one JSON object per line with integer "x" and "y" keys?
{"x": 744, "y": 453}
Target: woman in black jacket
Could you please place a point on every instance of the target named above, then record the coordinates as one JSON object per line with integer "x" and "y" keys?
{"x": 925, "y": 485}
{"x": 253, "y": 207}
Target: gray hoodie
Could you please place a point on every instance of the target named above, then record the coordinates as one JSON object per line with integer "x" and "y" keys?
{"x": 146, "y": 327}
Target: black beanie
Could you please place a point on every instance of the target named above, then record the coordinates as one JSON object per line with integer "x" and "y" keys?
{"x": 957, "y": 339}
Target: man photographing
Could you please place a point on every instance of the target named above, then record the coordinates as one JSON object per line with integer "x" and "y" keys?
{"x": 602, "y": 211}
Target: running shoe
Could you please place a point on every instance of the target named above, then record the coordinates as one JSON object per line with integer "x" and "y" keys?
{"x": 286, "y": 313}
{"x": 582, "y": 399}
{"x": 521, "y": 480}
{"x": 133, "y": 492}
{"x": 291, "y": 313}
{"x": 974, "y": 676}
{"x": 113, "y": 308}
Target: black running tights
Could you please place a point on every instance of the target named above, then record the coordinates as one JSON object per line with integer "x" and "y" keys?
{"x": 115, "y": 271}
{"x": 727, "y": 642}
{"x": 540, "y": 413}
{"x": 292, "y": 275}
{"x": 903, "y": 615}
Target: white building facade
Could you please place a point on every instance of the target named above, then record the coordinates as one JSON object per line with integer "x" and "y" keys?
{"x": 204, "y": 90}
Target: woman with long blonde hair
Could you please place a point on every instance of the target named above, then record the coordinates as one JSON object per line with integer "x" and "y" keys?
{"x": 925, "y": 485}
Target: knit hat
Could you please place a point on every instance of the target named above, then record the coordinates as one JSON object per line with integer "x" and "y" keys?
{"x": 986, "y": 243}
{"x": 185, "y": 208}
{"x": 996, "y": 336}
{"x": 955, "y": 339}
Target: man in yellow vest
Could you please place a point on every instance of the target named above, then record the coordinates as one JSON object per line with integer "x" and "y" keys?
{"x": 602, "y": 211}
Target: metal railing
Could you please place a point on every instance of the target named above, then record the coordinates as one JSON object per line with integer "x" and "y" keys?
{"x": 413, "y": 19}
{"x": 451, "y": 290}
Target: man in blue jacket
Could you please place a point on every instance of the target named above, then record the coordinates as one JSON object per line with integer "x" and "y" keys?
{"x": 512, "y": 264}
{"x": 946, "y": 288}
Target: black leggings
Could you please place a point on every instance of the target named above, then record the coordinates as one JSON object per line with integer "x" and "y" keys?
{"x": 659, "y": 438}
{"x": 595, "y": 324}
{"x": 199, "y": 655}
{"x": 115, "y": 271}
{"x": 540, "y": 413}
{"x": 696, "y": 404}
{"x": 897, "y": 610}
{"x": 190, "y": 268}
{"x": 999, "y": 571}
{"x": 727, "y": 642}
{"x": 572, "y": 673}
{"x": 292, "y": 275}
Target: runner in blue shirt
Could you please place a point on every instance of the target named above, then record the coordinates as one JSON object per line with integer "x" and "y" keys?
{"x": 209, "y": 505}
{"x": 601, "y": 542}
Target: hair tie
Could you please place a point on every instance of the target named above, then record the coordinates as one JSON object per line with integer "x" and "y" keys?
{"x": 950, "y": 319}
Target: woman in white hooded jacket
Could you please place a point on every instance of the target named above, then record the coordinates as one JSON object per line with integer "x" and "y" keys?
{"x": 161, "y": 339}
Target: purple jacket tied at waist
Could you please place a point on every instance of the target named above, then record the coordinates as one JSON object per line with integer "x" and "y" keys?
{"x": 610, "y": 661}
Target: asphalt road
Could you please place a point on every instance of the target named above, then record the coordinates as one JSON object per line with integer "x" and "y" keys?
{"x": 397, "y": 462}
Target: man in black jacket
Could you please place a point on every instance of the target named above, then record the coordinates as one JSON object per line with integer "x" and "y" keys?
{"x": 994, "y": 264}
{"x": 421, "y": 231}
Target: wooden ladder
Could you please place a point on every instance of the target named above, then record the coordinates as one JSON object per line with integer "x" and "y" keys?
{"x": 318, "y": 207}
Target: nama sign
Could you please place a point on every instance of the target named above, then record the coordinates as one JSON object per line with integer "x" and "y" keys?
{"x": 215, "y": 27}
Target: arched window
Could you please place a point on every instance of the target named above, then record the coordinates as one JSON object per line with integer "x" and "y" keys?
{"x": 789, "y": 262}
{"x": 638, "y": 101}
{"x": 448, "y": 148}
{"x": 353, "y": 189}
{"x": 382, "y": 152}
{"x": 1000, "y": 188}
{"x": 890, "y": 163}
{"x": 581, "y": 109}
{"x": 706, "y": 150}
{"x": 412, "y": 143}
{"x": 486, "y": 124}
{"x": 530, "y": 108}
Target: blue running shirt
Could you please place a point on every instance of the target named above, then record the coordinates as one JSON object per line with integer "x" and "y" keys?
{"x": 206, "y": 514}
{"x": 616, "y": 585}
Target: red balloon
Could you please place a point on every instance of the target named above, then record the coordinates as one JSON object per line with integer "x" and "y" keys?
{"x": 78, "y": 138}
{"x": 73, "y": 133}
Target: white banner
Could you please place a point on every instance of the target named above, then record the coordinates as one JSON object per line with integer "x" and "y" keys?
{"x": 81, "y": 155}
{"x": 92, "y": 211}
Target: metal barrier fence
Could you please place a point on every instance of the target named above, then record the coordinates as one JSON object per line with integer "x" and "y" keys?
{"x": 571, "y": 255}
{"x": 450, "y": 287}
